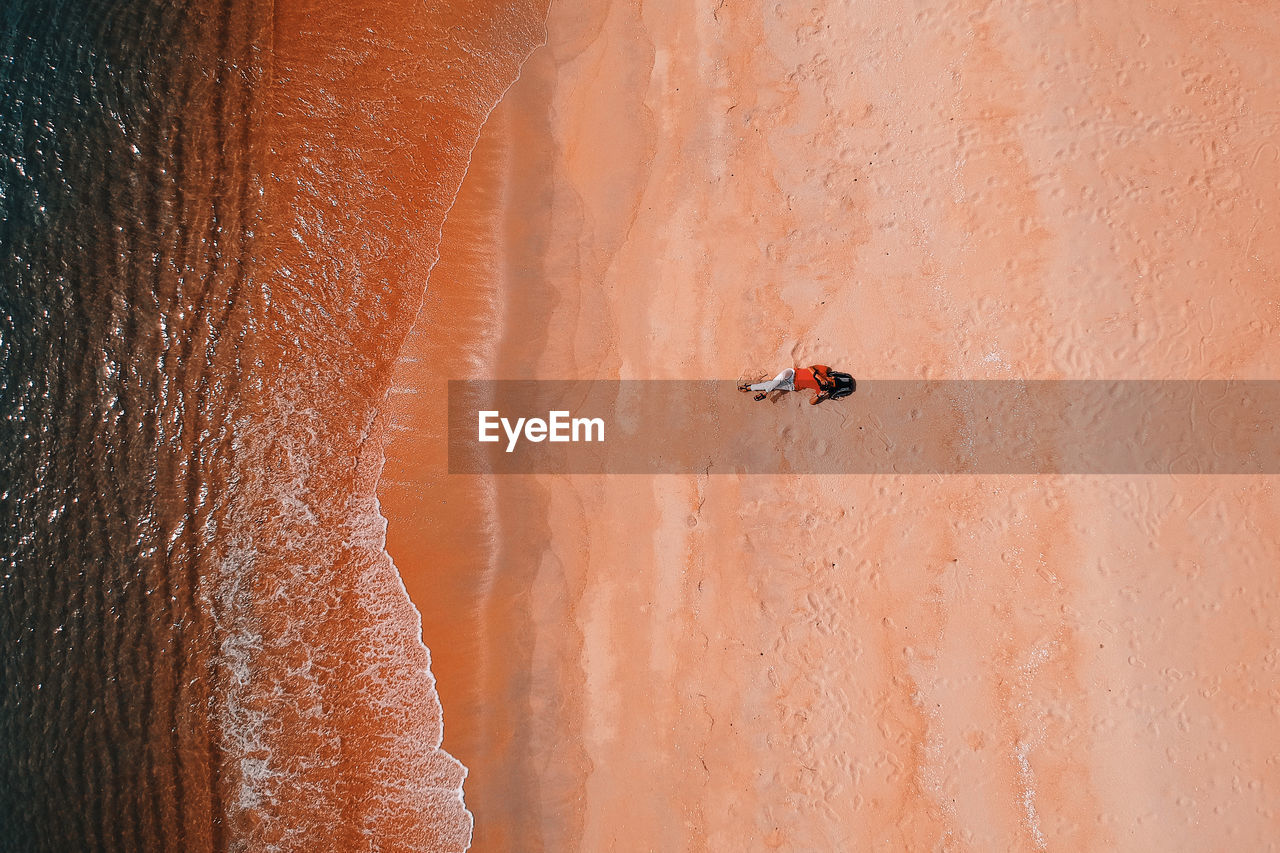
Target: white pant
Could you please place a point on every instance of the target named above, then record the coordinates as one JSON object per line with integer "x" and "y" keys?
{"x": 784, "y": 381}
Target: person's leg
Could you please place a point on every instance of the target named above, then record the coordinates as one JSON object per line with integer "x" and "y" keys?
{"x": 784, "y": 381}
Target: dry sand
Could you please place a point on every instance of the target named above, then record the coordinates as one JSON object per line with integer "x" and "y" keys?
{"x": 858, "y": 663}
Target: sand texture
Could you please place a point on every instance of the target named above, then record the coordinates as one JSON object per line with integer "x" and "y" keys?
{"x": 981, "y": 663}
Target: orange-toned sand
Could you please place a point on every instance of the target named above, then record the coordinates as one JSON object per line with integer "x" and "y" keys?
{"x": 858, "y": 663}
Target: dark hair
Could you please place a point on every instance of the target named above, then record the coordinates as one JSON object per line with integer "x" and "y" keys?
{"x": 842, "y": 385}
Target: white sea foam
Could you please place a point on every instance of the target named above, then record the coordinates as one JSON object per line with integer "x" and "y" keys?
{"x": 292, "y": 570}
{"x": 296, "y": 568}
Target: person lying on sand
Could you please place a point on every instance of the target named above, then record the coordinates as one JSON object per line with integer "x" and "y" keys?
{"x": 827, "y": 384}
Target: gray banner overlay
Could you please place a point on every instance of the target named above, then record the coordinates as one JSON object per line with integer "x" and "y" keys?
{"x": 887, "y": 426}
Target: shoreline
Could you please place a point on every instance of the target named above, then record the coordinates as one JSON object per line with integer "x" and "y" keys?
{"x": 463, "y": 544}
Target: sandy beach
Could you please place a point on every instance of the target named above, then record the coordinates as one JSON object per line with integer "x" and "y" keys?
{"x": 857, "y": 662}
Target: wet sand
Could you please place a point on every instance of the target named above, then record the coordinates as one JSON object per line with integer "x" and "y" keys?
{"x": 829, "y": 663}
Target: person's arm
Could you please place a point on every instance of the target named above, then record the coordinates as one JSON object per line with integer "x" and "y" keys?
{"x": 819, "y": 397}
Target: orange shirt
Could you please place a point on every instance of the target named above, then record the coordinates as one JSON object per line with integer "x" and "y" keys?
{"x": 805, "y": 378}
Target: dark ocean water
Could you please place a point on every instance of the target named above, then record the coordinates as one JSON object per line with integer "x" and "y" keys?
{"x": 125, "y": 203}
{"x": 217, "y": 221}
